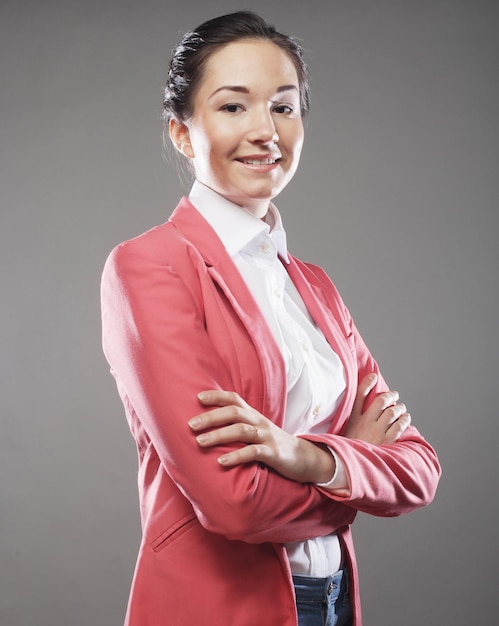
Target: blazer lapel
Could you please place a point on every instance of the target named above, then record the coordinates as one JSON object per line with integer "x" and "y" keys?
{"x": 332, "y": 332}
{"x": 226, "y": 276}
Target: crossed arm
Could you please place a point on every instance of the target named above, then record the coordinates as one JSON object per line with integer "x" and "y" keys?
{"x": 148, "y": 314}
{"x": 296, "y": 458}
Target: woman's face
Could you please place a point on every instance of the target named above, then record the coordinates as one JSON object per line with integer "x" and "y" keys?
{"x": 246, "y": 132}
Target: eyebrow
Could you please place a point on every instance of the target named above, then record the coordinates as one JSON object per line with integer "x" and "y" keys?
{"x": 243, "y": 89}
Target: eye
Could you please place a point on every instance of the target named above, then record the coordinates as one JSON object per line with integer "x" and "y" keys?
{"x": 231, "y": 108}
{"x": 283, "y": 109}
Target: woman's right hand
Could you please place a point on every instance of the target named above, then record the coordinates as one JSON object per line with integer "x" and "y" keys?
{"x": 383, "y": 422}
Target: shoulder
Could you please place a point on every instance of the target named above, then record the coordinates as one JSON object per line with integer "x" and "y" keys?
{"x": 171, "y": 258}
{"x": 157, "y": 244}
{"x": 163, "y": 246}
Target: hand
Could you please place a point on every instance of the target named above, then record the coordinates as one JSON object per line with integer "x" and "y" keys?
{"x": 235, "y": 421}
{"x": 383, "y": 422}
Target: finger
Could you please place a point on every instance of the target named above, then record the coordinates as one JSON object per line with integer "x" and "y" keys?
{"x": 379, "y": 405}
{"x": 365, "y": 386}
{"x": 220, "y": 417}
{"x": 242, "y": 433}
{"x": 383, "y": 401}
{"x": 220, "y": 397}
{"x": 392, "y": 414}
{"x": 398, "y": 427}
{"x": 246, "y": 454}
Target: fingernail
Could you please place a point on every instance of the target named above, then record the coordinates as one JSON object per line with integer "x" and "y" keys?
{"x": 223, "y": 460}
{"x": 194, "y": 422}
{"x": 202, "y": 438}
{"x": 203, "y": 396}
{"x": 372, "y": 380}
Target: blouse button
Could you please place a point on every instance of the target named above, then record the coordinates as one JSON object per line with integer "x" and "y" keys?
{"x": 264, "y": 247}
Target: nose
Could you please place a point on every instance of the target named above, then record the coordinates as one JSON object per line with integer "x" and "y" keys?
{"x": 262, "y": 128}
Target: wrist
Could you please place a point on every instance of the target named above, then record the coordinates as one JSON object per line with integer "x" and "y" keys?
{"x": 322, "y": 465}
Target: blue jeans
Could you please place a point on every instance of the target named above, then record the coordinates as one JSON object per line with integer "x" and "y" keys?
{"x": 323, "y": 601}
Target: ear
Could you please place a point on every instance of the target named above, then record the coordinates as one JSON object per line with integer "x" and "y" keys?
{"x": 179, "y": 134}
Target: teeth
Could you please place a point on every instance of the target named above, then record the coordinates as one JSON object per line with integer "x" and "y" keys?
{"x": 259, "y": 161}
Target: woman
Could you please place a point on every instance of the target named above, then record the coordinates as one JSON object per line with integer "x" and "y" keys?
{"x": 261, "y": 420}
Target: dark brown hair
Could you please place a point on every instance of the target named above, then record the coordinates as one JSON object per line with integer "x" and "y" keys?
{"x": 191, "y": 54}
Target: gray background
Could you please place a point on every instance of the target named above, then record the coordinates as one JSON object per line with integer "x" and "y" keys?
{"x": 396, "y": 197}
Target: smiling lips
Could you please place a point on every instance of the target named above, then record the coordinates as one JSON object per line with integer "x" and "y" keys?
{"x": 260, "y": 160}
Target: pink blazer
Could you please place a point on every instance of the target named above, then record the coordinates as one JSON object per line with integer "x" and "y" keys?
{"x": 178, "y": 318}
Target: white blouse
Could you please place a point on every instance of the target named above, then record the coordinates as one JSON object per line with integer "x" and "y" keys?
{"x": 315, "y": 374}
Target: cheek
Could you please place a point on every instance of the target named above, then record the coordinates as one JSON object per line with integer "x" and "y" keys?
{"x": 300, "y": 136}
{"x": 213, "y": 147}
{"x": 295, "y": 148}
{"x": 293, "y": 136}
{"x": 201, "y": 138}
{"x": 298, "y": 150}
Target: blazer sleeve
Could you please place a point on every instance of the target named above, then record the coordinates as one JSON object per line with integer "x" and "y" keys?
{"x": 161, "y": 355}
{"x": 386, "y": 480}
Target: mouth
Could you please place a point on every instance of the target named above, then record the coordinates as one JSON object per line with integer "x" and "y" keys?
{"x": 259, "y": 161}
{"x": 256, "y": 160}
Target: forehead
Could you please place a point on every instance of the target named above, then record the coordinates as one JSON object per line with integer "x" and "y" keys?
{"x": 249, "y": 62}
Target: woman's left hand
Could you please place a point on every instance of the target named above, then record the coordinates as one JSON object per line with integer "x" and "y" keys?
{"x": 235, "y": 421}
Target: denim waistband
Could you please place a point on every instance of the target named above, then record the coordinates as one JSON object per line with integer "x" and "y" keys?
{"x": 310, "y": 588}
